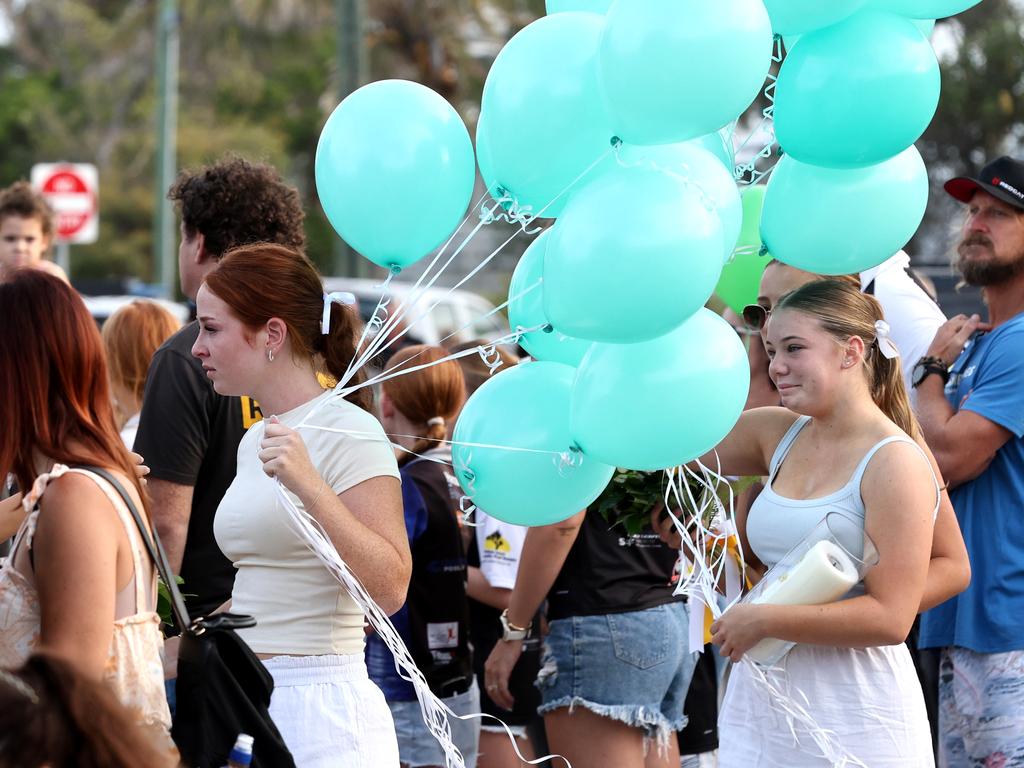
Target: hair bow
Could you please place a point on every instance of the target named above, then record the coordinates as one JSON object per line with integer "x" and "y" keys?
{"x": 338, "y": 297}
{"x": 884, "y": 340}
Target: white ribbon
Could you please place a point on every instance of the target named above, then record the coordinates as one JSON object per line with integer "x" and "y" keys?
{"x": 337, "y": 297}
{"x": 885, "y": 342}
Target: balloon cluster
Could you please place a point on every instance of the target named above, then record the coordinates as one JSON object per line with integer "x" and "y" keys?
{"x": 614, "y": 117}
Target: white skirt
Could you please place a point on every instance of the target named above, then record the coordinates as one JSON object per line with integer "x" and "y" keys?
{"x": 868, "y": 699}
{"x": 330, "y": 714}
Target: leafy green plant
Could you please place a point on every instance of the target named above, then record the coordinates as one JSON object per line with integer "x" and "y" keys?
{"x": 163, "y": 600}
{"x": 632, "y": 494}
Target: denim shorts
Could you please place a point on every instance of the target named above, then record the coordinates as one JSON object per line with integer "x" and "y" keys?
{"x": 417, "y": 745}
{"x": 632, "y": 667}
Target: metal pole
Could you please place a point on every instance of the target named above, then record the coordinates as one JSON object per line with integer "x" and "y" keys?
{"x": 63, "y": 254}
{"x": 166, "y": 149}
{"x": 352, "y": 68}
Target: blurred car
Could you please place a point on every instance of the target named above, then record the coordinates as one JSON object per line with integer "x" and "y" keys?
{"x": 435, "y": 316}
{"x": 102, "y": 307}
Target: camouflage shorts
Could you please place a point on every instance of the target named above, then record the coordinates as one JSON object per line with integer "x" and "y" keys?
{"x": 981, "y": 709}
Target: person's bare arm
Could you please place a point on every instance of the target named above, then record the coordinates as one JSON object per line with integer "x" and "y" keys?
{"x": 75, "y": 553}
{"x": 949, "y": 569}
{"x": 480, "y": 589}
{"x": 171, "y": 505}
{"x": 544, "y": 553}
{"x": 11, "y": 515}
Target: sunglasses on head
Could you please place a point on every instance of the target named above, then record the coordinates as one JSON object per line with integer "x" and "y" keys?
{"x": 755, "y": 316}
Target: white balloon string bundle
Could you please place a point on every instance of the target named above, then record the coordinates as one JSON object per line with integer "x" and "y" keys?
{"x": 766, "y": 126}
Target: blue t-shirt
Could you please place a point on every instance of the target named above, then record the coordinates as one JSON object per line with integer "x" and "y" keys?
{"x": 380, "y": 664}
{"x": 988, "y": 379}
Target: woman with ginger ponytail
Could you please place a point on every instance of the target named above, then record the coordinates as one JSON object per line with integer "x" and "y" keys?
{"x": 268, "y": 330}
{"x": 416, "y": 407}
{"x": 78, "y": 583}
{"x": 843, "y": 441}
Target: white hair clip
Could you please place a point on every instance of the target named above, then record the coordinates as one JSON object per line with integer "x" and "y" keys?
{"x": 339, "y": 297}
{"x": 884, "y": 341}
{"x": 436, "y": 421}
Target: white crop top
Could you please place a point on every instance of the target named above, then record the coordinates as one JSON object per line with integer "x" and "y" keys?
{"x": 300, "y": 608}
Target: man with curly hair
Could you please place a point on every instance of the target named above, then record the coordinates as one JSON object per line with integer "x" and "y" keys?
{"x": 26, "y": 230}
{"x": 188, "y": 433}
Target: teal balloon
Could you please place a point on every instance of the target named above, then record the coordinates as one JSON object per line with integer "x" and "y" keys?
{"x": 636, "y": 252}
{"x": 526, "y": 310}
{"x": 672, "y": 70}
{"x": 927, "y": 26}
{"x": 525, "y": 407}
{"x": 795, "y": 17}
{"x": 837, "y": 222}
{"x": 719, "y": 144}
{"x": 691, "y": 162}
{"x": 926, "y": 9}
{"x": 394, "y": 171}
{"x": 662, "y": 402}
{"x": 594, "y": 6}
{"x": 856, "y": 93}
{"x": 741, "y": 276}
{"x": 542, "y": 121}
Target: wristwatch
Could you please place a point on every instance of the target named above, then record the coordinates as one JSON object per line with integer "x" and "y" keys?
{"x": 510, "y": 631}
{"x": 925, "y": 367}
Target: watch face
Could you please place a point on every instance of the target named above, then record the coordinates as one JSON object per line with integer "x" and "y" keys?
{"x": 917, "y": 375}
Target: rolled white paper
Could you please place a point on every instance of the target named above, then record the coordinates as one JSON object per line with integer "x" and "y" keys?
{"x": 823, "y": 575}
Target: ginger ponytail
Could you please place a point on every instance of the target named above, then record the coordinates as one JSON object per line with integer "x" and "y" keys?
{"x": 430, "y": 397}
{"x": 845, "y": 312}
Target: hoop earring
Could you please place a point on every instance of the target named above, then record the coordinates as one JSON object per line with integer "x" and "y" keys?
{"x": 270, "y": 355}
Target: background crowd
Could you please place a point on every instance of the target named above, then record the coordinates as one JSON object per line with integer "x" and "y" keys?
{"x": 569, "y": 633}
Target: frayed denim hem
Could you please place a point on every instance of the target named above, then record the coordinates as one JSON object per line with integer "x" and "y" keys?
{"x": 656, "y": 726}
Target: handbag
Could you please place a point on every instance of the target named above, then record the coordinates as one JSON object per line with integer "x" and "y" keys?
{"x": 223, "y": 689}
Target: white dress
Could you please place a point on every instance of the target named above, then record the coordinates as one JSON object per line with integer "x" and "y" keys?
{"x": 865, "y": 704}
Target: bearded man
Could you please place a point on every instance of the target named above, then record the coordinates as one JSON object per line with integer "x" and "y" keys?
{"x": 970, "y": 401}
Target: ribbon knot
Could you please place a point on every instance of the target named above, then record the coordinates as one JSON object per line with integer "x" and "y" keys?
{"x": 884, "y": 341}
{"x": 337, "y": 297}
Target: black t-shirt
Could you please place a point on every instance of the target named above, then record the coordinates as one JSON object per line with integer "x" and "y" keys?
{"x": 437, "y": 603}
{"x": 188, "y": 434}
{"x": 701, "y": 708}
{"x": 610, "y": 571}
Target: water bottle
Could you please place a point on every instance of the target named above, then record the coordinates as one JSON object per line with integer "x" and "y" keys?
{"x": 241, "y": 753}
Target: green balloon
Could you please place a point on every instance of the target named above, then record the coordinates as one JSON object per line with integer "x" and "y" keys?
{"x": 526, "y": 309}
{"x": 525, "y": 407}
{"x": 837, "y": 222}
{"x": 856, "y": 93}
{"x": 741, "y": 277}
{"x": 662, "y": 402}
{"x": 635, "y": 253}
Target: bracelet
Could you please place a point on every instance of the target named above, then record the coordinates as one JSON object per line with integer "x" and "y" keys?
{"x": 323, "y": 484}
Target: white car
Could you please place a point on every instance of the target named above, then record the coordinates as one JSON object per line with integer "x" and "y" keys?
{"x": 436, "y": 315}
{"x": 102, "y": 307}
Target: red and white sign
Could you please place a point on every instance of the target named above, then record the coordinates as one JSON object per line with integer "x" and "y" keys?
{"x": 72, "y": 190}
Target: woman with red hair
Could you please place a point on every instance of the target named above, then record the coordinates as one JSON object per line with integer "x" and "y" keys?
{"x": 267, "y": 330}
{"x": 78, "y": 583}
